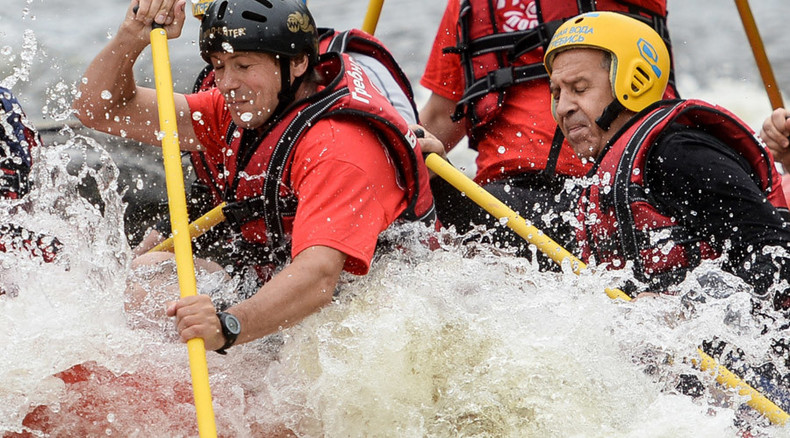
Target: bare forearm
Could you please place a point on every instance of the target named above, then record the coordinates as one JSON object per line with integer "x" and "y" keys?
{"x": 108, "y": 83}
{"x": 110, "y": 101}
{"x": 435, "y": 117}
{"x": 299, "y": 290}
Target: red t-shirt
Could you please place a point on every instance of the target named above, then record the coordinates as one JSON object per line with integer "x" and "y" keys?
{"x": 347, "y": 187}
{"x": 519, "y": 139}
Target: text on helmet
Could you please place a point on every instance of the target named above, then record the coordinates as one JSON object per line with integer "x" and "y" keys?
{"x": 569, "y": 35}
{"x": 233, "y": 33}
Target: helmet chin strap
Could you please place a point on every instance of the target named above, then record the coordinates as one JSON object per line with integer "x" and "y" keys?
{"x": 288, "y": 89}
{"x": 609, "y": 114}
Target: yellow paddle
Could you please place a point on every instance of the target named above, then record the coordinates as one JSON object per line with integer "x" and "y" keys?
{"x": 174, "y": 178}
{"x": 514, "y": 221}
{"x": 549, "y": 247}
{"x": 372, "y": 16}
{"x": 196, "y": 228}
{"x": 759, "y": 53}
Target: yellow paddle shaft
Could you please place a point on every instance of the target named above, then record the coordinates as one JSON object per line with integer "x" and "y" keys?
{"x": 506, "y": 215}
{"x": 196, "y": 228}
{"x": 372, "y": 16}
{"x": 516, "y": 223}
{"x": 756, "y": 400}
{"x": 179, "y": 223}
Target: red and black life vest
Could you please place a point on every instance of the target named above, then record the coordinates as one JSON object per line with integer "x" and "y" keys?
{"x": 621, "y": 221}
{"x": 357, "y": 41}
{"x": 254, "y": 179}
{"x": 494, "y": 59}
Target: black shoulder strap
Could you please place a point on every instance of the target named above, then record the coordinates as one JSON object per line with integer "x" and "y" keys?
{"x": 554, "y": 153}
{"x": 270, "y": 204}
{"x": 629, "y": 235}
{"x": 283, "y": 149}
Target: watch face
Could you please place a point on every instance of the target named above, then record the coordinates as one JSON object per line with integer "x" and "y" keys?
{"x": 232, "y": 323}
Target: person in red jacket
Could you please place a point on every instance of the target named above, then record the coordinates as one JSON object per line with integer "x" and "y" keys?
{"x": 312, "y": 161}
{"x": 488, "y": 84}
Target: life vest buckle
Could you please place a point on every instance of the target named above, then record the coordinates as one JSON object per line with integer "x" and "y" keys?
{"x": 500, "y": 78}
{"x": 241, "y": 212}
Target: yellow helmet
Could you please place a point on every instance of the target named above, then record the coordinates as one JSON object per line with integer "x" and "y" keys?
{"x": 639, "y": 72}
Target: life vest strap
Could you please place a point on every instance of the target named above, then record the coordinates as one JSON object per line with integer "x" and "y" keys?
{"x": 497, "y": 80}
{"x": 241, "y": 212}
{"x": 515, "y": 44}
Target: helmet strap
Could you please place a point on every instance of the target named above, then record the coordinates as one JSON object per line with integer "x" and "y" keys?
{"x": 609, "y": 114}
{"x": 287, "y": 92}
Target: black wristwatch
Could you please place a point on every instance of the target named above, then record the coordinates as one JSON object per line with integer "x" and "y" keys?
{"x": 231, "y": 327}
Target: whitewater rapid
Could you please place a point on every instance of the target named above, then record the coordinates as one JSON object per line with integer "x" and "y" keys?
{"x": 462, "y": 340}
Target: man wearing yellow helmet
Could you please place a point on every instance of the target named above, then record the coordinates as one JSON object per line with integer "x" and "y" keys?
{"x": 672, "y": 182}
{"x": 488, "y": 84}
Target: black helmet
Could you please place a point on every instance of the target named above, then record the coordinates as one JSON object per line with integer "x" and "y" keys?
{"x": 282, "y": 27}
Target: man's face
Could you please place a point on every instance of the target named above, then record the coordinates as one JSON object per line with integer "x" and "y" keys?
{"x": 580, "y": 90}
{"x": 250, "y": 82}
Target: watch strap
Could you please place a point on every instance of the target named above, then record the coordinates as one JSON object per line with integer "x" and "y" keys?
{"x": 230, "y": 337}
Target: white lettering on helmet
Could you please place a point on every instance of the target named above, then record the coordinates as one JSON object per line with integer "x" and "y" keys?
{"x": 233, "y": 33}
{"x": 570, "y": 35}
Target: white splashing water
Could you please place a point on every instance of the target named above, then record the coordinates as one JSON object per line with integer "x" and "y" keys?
{"x": 21, "y": 72}
{"x": 460, "y": 341}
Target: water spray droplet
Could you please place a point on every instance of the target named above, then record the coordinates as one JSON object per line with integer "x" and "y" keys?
{"x": 106, "y": 95}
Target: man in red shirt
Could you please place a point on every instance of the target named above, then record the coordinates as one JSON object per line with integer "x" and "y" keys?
{"x": 312, "y": 160}
{"x": 488, "y": 84}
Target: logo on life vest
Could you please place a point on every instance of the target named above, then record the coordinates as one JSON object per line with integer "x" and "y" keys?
{"x": 411, "y": 137}
{"x": 649, "y": 54}
{"x": 359, "y": 90}
{"x": 518, "y": 15}
{"x": 299, "y": 22}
